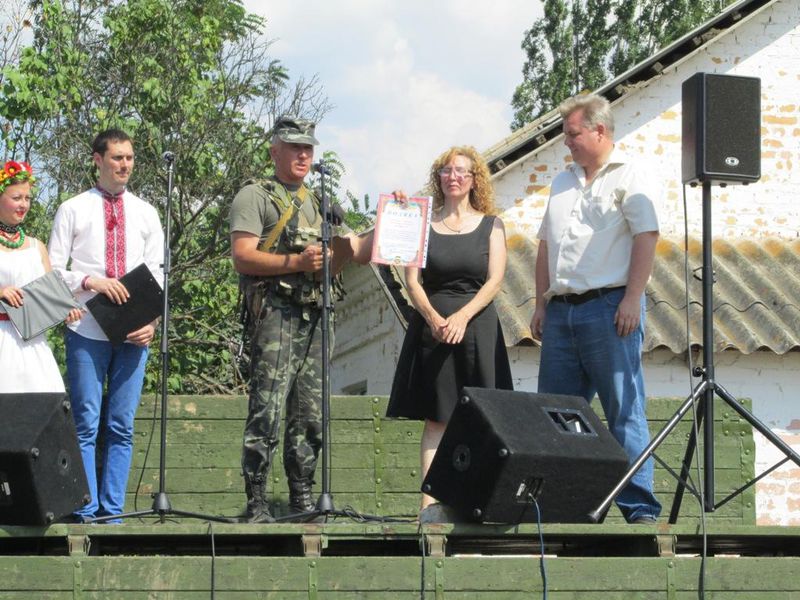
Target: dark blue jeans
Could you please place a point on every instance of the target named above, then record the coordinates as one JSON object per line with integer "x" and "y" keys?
{"x": 583, "y": 355}
{"x": 89, "y": 364}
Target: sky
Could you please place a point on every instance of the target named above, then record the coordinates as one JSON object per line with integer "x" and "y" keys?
{"x": 407, "y": 78}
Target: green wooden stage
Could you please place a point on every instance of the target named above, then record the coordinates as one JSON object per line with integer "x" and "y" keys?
{"x": 375, "y": 471}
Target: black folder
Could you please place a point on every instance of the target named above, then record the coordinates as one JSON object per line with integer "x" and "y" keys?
{"x": 46, "y": 302}
{"x": 143, "y": 306}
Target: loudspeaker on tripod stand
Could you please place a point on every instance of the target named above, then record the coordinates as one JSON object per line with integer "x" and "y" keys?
{"x": 41, "y": 470}
{"x": 500, "y": 447}
{"x": 721, "y": 129}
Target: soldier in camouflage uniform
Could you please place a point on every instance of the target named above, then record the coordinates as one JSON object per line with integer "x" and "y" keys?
{"x": 275, "y": 229}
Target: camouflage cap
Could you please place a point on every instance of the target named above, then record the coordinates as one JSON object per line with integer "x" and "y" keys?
{"x": 295, "y": 130}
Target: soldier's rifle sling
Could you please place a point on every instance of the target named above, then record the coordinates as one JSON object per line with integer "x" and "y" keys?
{"x": 273, "y": 236}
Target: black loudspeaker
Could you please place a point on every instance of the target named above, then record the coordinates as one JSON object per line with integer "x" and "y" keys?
{"x": 500, "y": 447}
{"x": 41, "y": 471}
{"x": 721, "y": 129}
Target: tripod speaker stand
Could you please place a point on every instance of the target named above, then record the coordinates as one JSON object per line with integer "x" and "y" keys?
{"x": 721, "y": 144}
{"x": 705, "y": 391}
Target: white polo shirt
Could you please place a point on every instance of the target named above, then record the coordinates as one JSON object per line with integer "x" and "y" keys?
{"x": 80, "y": 246}
{"x": 589, "y": 229}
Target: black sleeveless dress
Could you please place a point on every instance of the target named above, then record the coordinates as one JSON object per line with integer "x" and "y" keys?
{"x": 430, "y": 374}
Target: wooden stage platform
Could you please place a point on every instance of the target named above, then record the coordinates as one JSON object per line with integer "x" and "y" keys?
{"x": 393, "y": 561}
{"x": 375, "y": 471}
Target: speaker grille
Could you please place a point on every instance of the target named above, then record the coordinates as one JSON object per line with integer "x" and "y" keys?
{"x": 502, "y": 447}
{"x": 41, "y": 471}
{"x": 721, "y": 129}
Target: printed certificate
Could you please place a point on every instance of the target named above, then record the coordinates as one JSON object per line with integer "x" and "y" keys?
{"x": 401, "y": 231}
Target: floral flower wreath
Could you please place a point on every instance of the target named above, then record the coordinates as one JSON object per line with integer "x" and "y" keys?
{"x": 15, "y": 172}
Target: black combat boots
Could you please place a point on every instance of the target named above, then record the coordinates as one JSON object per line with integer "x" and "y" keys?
{"x": 300, "y": 496}
{"x": 257, "y": 506}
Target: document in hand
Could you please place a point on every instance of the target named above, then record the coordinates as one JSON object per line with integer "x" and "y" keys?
{"x": 143, "y": 306}
{"x": 401, "y": 231}
{"x": 46, "y": 302}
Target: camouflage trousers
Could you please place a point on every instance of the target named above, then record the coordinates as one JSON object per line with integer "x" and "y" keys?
{"x": 286, "y": 369}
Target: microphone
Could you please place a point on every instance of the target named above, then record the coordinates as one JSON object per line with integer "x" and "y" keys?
{"x": 168, "y": 156}
{"x": 321, "y": 168}
{"x": 336, "y": 214}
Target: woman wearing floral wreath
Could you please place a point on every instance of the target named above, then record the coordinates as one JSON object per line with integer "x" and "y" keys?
{"x": 28, "y": 366}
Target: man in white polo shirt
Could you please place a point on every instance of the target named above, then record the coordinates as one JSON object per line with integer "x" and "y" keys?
{"x": 98, "y": 236}
{"x": 596, "y": 248}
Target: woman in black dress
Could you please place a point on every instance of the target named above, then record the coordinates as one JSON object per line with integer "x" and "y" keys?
{"x": 454, "y": 337}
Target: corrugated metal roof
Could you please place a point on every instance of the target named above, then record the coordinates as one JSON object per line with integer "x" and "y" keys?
{"x": 756, "y": 295}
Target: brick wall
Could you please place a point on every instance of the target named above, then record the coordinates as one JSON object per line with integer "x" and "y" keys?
{"x": 648, "y": 126}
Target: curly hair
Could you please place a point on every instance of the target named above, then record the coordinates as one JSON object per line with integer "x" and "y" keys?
{"x": 481, "y": 196}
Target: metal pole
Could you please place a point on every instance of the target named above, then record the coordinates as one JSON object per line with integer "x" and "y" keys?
{"x": 708, "y": 349}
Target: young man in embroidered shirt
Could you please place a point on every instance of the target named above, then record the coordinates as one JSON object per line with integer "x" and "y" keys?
{"x": 98, "y": 236}
{"x": 596, "y": 249}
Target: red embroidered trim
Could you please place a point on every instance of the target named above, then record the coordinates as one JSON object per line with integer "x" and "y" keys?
{"x": 114, "y": 213}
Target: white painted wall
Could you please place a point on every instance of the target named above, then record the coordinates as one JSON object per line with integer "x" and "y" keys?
{"x": 648, "y": 126}
{"x": 766, "y": 45}
{"x": 368, "y": 336}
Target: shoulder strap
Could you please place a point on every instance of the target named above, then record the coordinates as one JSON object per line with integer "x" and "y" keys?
{"x": 297, "y": 202}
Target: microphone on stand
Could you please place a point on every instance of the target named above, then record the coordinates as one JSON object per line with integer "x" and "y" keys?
{"x": 321, "y": 168}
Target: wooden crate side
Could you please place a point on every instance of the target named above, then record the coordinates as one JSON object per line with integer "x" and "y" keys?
{"x": 346, "y": 577}
{"x": 374, "y": 460}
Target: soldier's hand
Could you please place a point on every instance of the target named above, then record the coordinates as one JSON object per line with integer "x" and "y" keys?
{"x": 311, "y": 259}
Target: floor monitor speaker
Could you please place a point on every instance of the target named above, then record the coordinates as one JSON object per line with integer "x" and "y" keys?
{"x": 501, "y": 448}
{"x": 41, "y": 472}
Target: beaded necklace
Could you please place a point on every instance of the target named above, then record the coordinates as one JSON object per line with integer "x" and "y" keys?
{"x": 14, "y": 231}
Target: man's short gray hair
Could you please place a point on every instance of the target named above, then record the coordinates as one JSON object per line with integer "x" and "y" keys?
{"x": 596, "y": 110}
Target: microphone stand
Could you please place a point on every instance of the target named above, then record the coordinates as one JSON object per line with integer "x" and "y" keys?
{"x": 161, "y": 504}
{"x": 325, "y": 507}
{"x": 325, "y": 500}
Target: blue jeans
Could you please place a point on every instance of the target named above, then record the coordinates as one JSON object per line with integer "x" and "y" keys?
{"x": 583, "y": 355}
{"x": 90, "y": 363}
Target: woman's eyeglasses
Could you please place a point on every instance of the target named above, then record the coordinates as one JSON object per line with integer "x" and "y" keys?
{"x": 460, "y": 172}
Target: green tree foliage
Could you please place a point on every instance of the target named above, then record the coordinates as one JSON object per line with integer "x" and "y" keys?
{"x": 580, "y": 44}
{"x": 357, "y": 213}
{"x": 190, "y": 76}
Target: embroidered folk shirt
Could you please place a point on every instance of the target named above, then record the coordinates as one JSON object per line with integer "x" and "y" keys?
{"x": 97, "y": 237}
